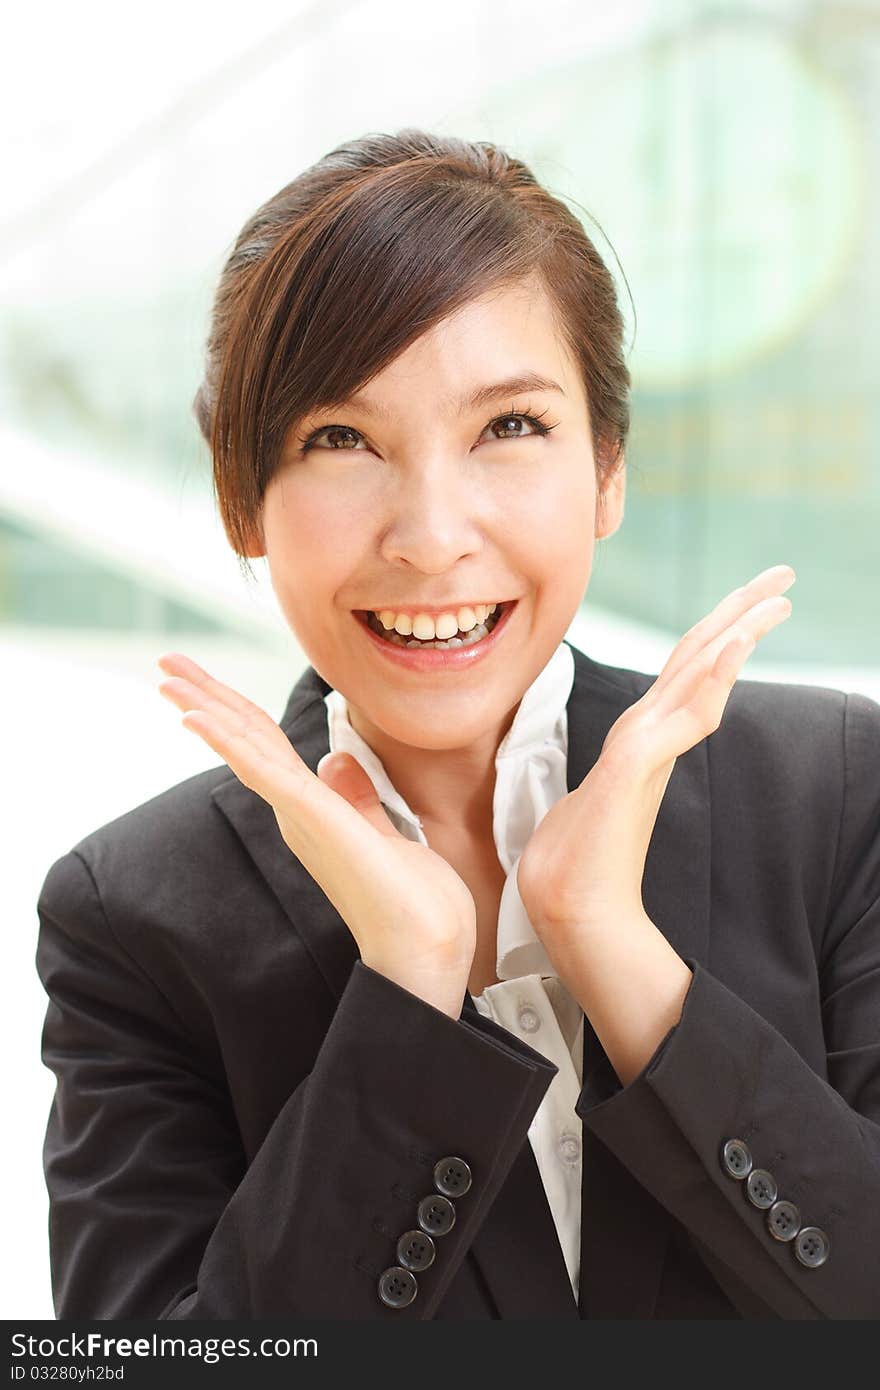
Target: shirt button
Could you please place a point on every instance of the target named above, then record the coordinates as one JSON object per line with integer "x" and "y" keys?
{"x": 529, "y": 1021}
{"x": 569, "y": 1148}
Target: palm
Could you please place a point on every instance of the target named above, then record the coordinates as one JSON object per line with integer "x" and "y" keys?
{"x": 396, "y": 895}
{"x": 587, "y": 856}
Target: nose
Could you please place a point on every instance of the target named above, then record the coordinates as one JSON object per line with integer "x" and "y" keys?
{"x": 436, "y": 517}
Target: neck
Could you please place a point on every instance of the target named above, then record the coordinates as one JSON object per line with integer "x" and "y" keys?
{"x": 451, "y": 790}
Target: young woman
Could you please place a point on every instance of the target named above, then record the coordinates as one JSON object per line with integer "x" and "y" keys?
{"x": 554, "y": 991}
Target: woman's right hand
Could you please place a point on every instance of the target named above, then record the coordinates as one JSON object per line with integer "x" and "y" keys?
{"x": 412, "y": 916}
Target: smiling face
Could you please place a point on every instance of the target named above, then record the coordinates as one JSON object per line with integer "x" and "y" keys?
{"x": 410, "y": 499}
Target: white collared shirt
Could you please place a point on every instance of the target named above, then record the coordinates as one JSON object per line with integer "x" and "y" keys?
{"x": 529, "y": 998}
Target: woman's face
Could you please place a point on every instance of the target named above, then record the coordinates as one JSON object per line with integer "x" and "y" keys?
{"x": 414, "y": 497}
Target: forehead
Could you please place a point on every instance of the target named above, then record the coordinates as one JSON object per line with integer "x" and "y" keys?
{"x": 509, "y": 335}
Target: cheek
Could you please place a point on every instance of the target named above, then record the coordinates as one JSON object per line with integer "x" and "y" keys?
{"x": 320, "y": 503}
{"x": 561, "y": 547}
{"x": 559, "y": 516}
{"x": 300, "y": 558}
{"x": 301, "y": 523}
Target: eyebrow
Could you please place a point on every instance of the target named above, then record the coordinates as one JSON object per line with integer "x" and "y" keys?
{"x": 473, "y": 400}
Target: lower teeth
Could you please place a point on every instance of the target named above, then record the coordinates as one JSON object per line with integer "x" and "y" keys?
{"x": 475, "y": 635}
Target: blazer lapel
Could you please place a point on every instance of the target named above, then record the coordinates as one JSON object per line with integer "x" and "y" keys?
{"x": 623, "y": 1237}
{"x": 624, "y": 1232}
{"x": 318, "y": 924}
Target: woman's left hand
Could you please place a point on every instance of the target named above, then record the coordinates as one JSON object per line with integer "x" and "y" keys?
{"x": 585, "y": 862}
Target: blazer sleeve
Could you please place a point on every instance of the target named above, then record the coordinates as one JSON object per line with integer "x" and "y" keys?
{"x": 153, "y": 1212}
{"x": 805, "y": 1244}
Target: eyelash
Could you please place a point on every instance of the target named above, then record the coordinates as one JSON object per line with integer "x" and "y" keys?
{"x": 306, "y": 441}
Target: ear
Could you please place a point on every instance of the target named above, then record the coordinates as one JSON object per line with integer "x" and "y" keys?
{"x": 611, "y": 499}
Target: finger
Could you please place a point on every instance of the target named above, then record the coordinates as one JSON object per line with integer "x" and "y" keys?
{"x": 345, "y": 775}
{"x": 251, "y": 720}
{"x": 682, "y": 687}
{"x": 770, "y": 583}
{"x": 276, "y": 780}
{"x": 199, "y": 690}
{"x": 177, "y": 665}
{"x": 313, "y": 819}
{"x": 252, "y": 744}
{"x": 702, "y": 714}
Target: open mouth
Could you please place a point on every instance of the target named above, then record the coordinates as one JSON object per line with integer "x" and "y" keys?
{"x": 459, "y": 639}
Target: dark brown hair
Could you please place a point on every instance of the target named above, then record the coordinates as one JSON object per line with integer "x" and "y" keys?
{"x": 364, "y": 251}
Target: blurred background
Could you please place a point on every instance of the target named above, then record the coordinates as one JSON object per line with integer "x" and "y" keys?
{"x": 730, "y": 154}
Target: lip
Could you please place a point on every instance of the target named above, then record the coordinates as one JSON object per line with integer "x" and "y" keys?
{"x": 439, "y": 659}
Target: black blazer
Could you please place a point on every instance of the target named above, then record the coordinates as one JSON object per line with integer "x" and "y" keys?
{"x": 247, "y": 1117}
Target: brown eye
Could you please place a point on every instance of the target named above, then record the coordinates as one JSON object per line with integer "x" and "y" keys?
{"x": 516, "y": 418}
{"x": 335, "y": 433}
{"x": 346, "y": 437}
{"x": 507, "y": 421}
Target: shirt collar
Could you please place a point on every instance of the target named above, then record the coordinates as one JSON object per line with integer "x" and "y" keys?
{"x": 530, "y": 776}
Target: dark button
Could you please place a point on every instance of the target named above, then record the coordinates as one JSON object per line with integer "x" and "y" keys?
{"x": 812, "y": 1246}
{"x": 761, "y": 1188}
{"x": 436, "y": 1215}
{"x": 736, "y": 1158}
{"x": 452, "y": 1176}
{"x": 416, "y": 1250}
{"x": 783, "y": 1220}
{"x": 397, "y": 1287}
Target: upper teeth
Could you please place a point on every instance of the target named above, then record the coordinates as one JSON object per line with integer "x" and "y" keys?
{"x": 445, "y": 625}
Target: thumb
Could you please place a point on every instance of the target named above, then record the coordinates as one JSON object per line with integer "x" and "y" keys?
{"x": 343, "y": 774}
